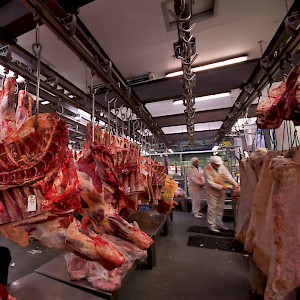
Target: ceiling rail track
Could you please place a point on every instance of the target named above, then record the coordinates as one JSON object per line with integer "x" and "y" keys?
{"x": 81, "y": 42}
{"x": 278, "y": 54}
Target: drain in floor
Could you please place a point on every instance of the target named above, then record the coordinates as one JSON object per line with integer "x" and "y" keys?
{"x": 205, "y": 230}
{"x": 215, "y": 242}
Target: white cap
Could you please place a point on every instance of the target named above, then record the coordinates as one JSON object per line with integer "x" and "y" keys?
{"x": 194, "y": 159}
{"x": 216, "y": 160}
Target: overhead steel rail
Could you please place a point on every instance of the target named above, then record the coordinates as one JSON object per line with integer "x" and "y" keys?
{"x": 54, "y": 88}
{"x": 23, "y": 63}
{"x": 279, "y": 52}
{"x": 70, "y": 30}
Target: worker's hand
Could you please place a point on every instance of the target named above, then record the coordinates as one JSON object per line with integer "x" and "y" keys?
{"x": 237, "y": 188}
{"x": 225, "y": 188}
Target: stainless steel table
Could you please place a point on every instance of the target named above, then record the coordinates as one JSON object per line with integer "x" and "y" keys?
{"x": 153, "y": 224}
{"x": 39, "y": 287}
{"x": 57, "y": 269}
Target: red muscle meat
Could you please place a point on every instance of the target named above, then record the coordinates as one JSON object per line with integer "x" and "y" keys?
{"x": 267, "y": 112}
{"x": 24, "y": 108}
{"x": 102, "y": 197}
{"x": 7, "y": 112}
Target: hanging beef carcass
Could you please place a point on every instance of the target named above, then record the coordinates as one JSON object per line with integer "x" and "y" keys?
{"x": 288, "y": 104}
{"x": 249, "y": 174}
{"x": 36, "y": 167}
{"x": 24, "y": 108}
{"x": 103, "y": 195}
{"x": 284, "y": 276}
{"x": 267, "y": 112}
{"x": 258, "y": 238}
{"x": 7, "y": 112}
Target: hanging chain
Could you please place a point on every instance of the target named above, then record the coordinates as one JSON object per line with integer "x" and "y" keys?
{"x": 93, "y": 106}
{"x": 37, "y": 50}
{"x": 6, "y": 71}
{"x": 183, "y": 13}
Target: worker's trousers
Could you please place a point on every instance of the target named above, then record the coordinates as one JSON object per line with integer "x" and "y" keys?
{"x": 197, "y": 199}
{"x": 215, "y": 202}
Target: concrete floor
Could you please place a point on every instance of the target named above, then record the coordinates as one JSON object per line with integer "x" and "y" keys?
{"x": 181, "y": 272}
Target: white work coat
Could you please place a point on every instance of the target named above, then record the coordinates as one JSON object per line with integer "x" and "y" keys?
{"x": 195, "y": 179}
{"x": 196, "y": 184}
{"x": 216, "y": 195}
{"x": 215, "y": 178}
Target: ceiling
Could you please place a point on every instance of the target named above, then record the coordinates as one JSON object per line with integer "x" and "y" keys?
{"x": 134, "y": 35}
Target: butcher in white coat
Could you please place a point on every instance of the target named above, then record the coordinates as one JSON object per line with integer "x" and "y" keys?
{"x": 196, "y": 184}
{"x": 215, "y": 173}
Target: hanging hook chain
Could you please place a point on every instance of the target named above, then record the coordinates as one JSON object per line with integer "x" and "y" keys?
{"x": 37, "y": 49}
{"x": 6, "y": 71}
{"x": 93, "y": 106}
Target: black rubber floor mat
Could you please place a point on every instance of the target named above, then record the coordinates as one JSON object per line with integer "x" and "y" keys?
{"x": 205, "y": 230}
{"x": 214, "y": 242}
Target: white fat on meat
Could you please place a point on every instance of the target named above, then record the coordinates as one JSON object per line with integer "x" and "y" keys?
{"x": 260, "y": 204}
{"x": 284, "y": 273}
{"x": 249, "y": 174}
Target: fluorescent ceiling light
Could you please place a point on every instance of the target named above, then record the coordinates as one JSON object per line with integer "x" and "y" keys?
{"x": 102, "y": 123}
{"x": 215, "y": 148}
{"x": 208, "y": 97}
{"x": 11, "y": 74}
{"x": 170, "y": 150}
{"x": 84, "y": 114}
{"x": 45, "y": 102}
{"x": 213, "y": 65}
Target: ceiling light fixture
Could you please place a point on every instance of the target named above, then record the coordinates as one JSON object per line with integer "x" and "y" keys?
{"x": 84, "y": 114}
{"x": 212, "y": 66}
{"x": 215, "y": 148}
{"x": 20, "y": 79}
{"x": 208, "y": 97}
{"x": 45, "y": 102}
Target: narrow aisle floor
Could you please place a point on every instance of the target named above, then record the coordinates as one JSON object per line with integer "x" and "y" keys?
{"x": 189, "y": 273}
{"x": 181, "y": 272}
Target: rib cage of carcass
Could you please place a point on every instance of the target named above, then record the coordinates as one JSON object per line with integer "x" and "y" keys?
{"x": 115, "y": 179}
{"x": 35, "y": 164}
{"x": 283, "y": 103}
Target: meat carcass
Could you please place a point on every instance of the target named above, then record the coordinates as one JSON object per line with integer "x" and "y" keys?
{"x": 267, "y": 112}
{"x": 7, "y": 112}
{"x": 249, "y": 174}
{"x": 24, "y": 108}
{"x": 36, "y": 167}
{"x": 99, "y": 277}
{"x": 284, "y": 272}
{"x": 257, "y": 239}
{"x": 102, "y": 197}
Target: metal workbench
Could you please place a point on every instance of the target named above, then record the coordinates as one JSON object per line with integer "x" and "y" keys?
{"x": 57, "y": 269}
{"x": 152, "y": 223}
{"x": 39, "y": 287}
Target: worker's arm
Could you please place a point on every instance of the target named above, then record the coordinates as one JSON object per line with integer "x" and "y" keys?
{"x": 210, "y": 179}
{"x": 195, "y": 176}
{"x": 227, "y": 176}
